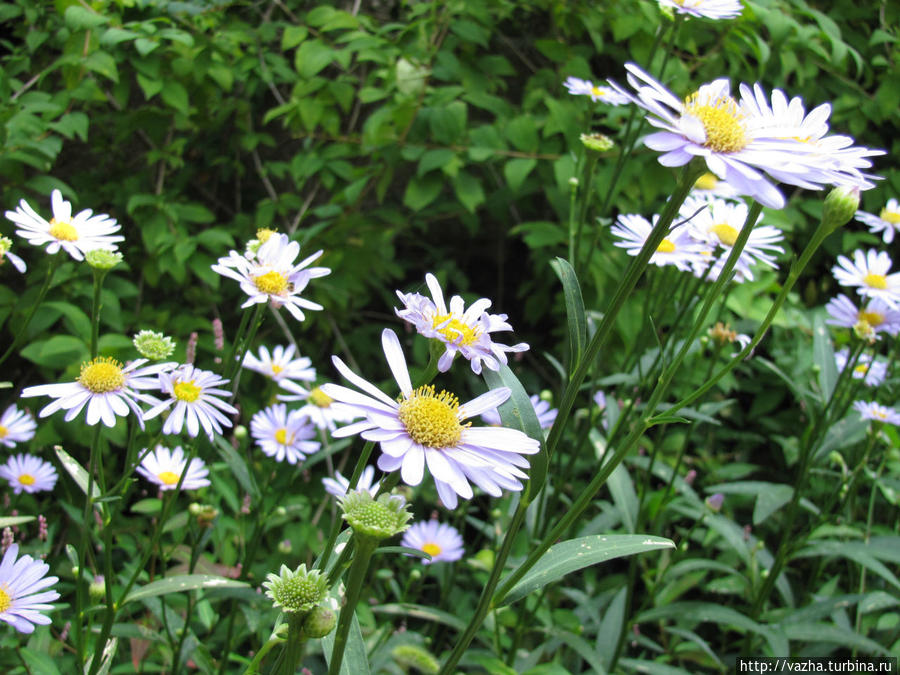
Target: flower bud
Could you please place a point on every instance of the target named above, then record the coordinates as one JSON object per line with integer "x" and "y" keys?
{"x": 319, "y": 622}
{"x": 285, "y": 547}
{"x": 97, "y": 589}
{"x": 240, "y": 432}
{"x": 714, "y": 502}
{"x": 376, "y": 518}
{"x": 153, "y": 346}
{"x": 597, "y": 142}
{"x": 840, "y": 206}
{"x": 297, "y": 591}
{"x": 102, "y": 259}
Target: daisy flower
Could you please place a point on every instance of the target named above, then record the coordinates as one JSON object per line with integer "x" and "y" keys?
{"x": 272, "y": 276}
{"x": 195, "y": 397}
{"x": 20, "y": 580}
{"x": 280, "y": 364}
{"x": 16, "y": 426}
{"x": 284, "y": 435}
{"x": 439, "y": 540}
{"x": 679, "y": 247}
{"x": 546, "y": 416}
{"x": 164, "y": 467}
{"x": 321, "y": 409}
{"x": 27, "y": 473}
{"x": 887, "y": 222}
{"x": 339, "y": 485}
{"x": 707, "y": 9}
{"x": 869, "y": 273}
{"x": 877, "y": 413}
{"x": 425, "y": 427}
{"x": 76, "y": 235}
{"x": 874, "y": 372}
{"x": 106, "y": 387}
{"x": 877, "y": 315}
{"x": 709, "y": 185}
{"x": 463, "y": 331}
{"x": 602, "y": 93}
{"x": 718, "y": 223}
{"x": 17, "y": 262}
{"x": 737, "y": 143}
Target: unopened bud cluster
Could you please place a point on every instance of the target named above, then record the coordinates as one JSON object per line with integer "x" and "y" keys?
{"x": 300, "y": 594}
{"x": 154, "y": 346}
{"x": 102, "y": 259}
{"x": 375, "y": 518}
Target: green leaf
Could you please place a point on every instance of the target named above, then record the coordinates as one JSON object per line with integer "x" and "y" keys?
{"x": 575, "y": 315}
{"x": 312, "y": 57}
{"x": 78, "y": 18}
{"x": 769, "y": 496}
{"x": 76, "y": 320}
{"x": 518, "y": 413}
{"x": 843, "y": 434}
{"x": 355, "y": 661}
{"x": 180, "y": 583}
{"x": 541, "y": 233}
{"x": 422, "y": 612}
{"x": 420, "y": 192}
{"x": 148, "y": 506}
{"x": 448, "y": 123}
{"x": 823, "y": 357}
{"x": 58, "y": 351}
{"x": 856, "y": 551}
{"x": 113, "y": 36}
{"x": 175, "y": 95}
{"x": 522, "y": 132}
{"x": 434, "y": 159}
{"x": 468, "y": 191}
{"x": 238, "y": 467}
{"x": 575, "y": 554}
{"x": 10, "y": 521}
{"x": 821, "y": 632}
{"x": 293, "y": 36}
{"x": 38, "y": 661}
{"x": 103, "y": 63}
{"x": 516, "y": 171}
{"x": 79, "y": 475}
{"x": 149, "y": 86}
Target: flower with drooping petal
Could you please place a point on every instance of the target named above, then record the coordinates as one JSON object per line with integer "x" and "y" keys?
{"x": 76, "y": 235}
{"x": 164, "y": 467}
{"x": 284, "y": 435}
{"x": 324, "y": 411}
{"x": 195, "y": 395}
{"x": 272, "y": 276}
{"x": 281, "y": 364}
{"x": 439, "y": 540}
{"x": 874, "y": 372}
{"x": 338, "y": 486}
{"x": 106, "y": 387}
{"x": 27, "y": 473}
{"x": 605, "y": 94}
{"x": 707, "y": 9}
{"x": 17, "y": 262}
{"x": 887, "y": 222}
{"x": 428, "y": 428}
{"x": 546, "y": 416}
{"x": 16, "y": 426}
{"x": 678, "y": 248}
{"x": 462, "y": 331}
{"x": 877, "y": 315}
{"x": 869, "y": 410}
{"x": 868, "y": 271}
{"x": 22, "y": 591}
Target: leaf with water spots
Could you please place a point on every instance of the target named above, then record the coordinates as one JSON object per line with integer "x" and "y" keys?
{"x": 180, "y": 583}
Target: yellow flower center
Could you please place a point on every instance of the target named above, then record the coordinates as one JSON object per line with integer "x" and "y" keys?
{"x": 276, "y": 369}
{"x": 861, "y": 369}
{"x": 273, "y": 283}
{"x": 665, "y": 246}
{"x": 880, "y": 414}
{"x": 722, "y": 119}
{"x": 4, "y": 432}
{"x": 599, "y": 91}
{"x": 455, "y": 330}
{"x": 5, "y": 599}
{"x": 432, "y": 549}
{"x": 707, "y": 181}
{"x": 878, "y": 281}
{"x": 26, "y": 479}
{"x": 432, "y": 419}
{"x": 874, "y": 319}
{"x": 320, "y": 398}
{"x": 186, "y": 391}
{"x": 101, "y": 375}
{"x": 264, "y": 233}
{"x": 281, "y": 437}
{"x": 726, "y": 233}
{"x": 62, "y": 230}
{"x": 168, "y": 478}
{"x": 893, "y": 217}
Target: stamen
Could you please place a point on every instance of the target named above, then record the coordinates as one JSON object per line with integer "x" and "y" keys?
{"x": 276, "y": 369}
{"x": 4, "y": 432}
{"x": 62, "y": 230}
{"x": 320, "y": 398}
{"x": 432, "y": 419}
{"x": 264, "y": 233}
{"x": 874, "y": 319}
{"x": 726, "y": 233}
{"x": 168, "y": 477}
{"x": 454, "y": 330}
{"x": 431, "y": 549}
{"x": 5, "y": 599}
{"x": 878, "y": 281}
{"x": 273, "y": 283}
{"x": 101, "y": 375}
{"x": 722, "y": 119}
{"x": 186, "y": 391}
{"x": 26, "y": 479}
{"x": 893, "y": 217}
{"x": 665, "y": 246}
{"x": 707, "y": 181}
{"x": 281, "y": 437}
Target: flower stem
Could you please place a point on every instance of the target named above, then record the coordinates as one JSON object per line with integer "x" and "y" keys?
{"x": 365, "y": 547}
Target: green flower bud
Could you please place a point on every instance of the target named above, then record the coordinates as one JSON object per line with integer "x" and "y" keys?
{"x": 319, "y": 622}
{"x": 204, "y": 513}
{"x": 413, "y": 656}
{"x": 103, "y": 260}
{"x": 840, "y": 206}
{"x": 379, "y": 519}
{"x": 154, "y": 346}
{"x": 97, "y": 589}
{"x": 597, "y": 142}
{"x": 240, "y": 432}
{"x": 5, "y": 245}
{"x": 285, "y": 547}
{"x": 297, "y": 591}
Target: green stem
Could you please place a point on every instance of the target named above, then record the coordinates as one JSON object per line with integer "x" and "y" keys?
{"x": 274, "y": 639}
{"x": 95, "y": 310}
{"x": 230, "y": 367}
{"x": 365, "y": 547}
{"x": 258, "y": 317}
{"x": 294, "y": 646}
{"x": 55, "y": 261}
{"x": 80, "y": 637}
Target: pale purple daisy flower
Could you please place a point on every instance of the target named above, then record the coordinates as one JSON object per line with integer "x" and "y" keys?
{"x": 678, "y": 248}
{"x": 280, "y": 364}
{"x": 868, "y": 271}
{"x": 322, "y": 410}
{"x": 887, "y": 222}
{"x": 707, "y": 9}
{"x": 878, "y": 316}
{"x": 195, "y": 395}
{"x": 339, "y": 485}
{"x": 22, "y": 594}
{"x": 874, "y": 372}
{"x": 877, "y": 413}
{"x": 545, "y": 414}
{"x": 16, "y": 426}
{"x": 164, "y": 468}
{"x": 284, "y": 435}
{"x": 27, "y": 473}
{"x": 427, "y": 428}
{"x": 603, "y": 93}
{"x": 17, "y": 262}
{"x": 439, "y": 540}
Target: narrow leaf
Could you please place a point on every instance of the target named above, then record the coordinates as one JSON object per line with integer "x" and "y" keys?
{"x": 180, "y": 583}
{"x": 574, "y": 310}
{"x": 823, "y": 357}
{"x": 238, "y": 467}
{"x": 79, "y": 475}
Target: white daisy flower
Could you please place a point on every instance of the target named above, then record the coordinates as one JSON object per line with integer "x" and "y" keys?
{"x": 281, "y": 364}
{"x": 439, "y": 540}
{"x": 106, "y": 387}
{"x": 887, "y": 222}
{"x": 718, "y": 223}
{"x": 17, "y": 262}
{"x": 284, "y": 435}
{"x": 76, "y": 235}
{"x": 16, "y": 426}
{"x": 707, "y": 9}
{"x": 22, "y": 594}
{"x": 427, "y": 428}
{"x": 546, "y": 416}
{"x": 463, "y": 331}
{"x": 578, "y": 87}
{"x": 735, "y": 141}
{"x": 874, "y": 372}
{"x": 877, "y": 413}
{"x": 195, "y": 395}
{"x": 869, "y": 273}
{"x": 321, "y": 409}
{"x": 272, "y": 275}
{"x": 339, "y": 485}
{"x": 709, "y": 185}
{"x": 877, "y": 315}
{"x": 678, "y": 248}
{"x": 27, "y": 473}
{"x": 164, "y": 467}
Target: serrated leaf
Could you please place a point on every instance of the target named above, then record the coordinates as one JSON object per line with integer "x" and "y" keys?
{"x": 180, "y": 583}
{"x": 420, "y": 192}
{"x": 468, "y": 191}
{"x": 312, "y": 57}
{"x": 575, "y": 316}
